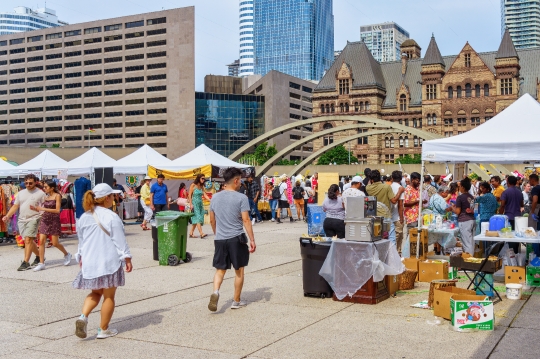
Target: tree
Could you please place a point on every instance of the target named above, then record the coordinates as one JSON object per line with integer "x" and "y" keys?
{"x": 286, "y": 162}
{"x": 409, "y": 160}
{"x": 262, "y": 154}
{"x": 56, "y": 145}
{"x": 338, "y": 155}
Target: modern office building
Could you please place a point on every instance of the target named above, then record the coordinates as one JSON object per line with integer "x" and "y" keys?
{"x": 246, "y": 38}
{"x": 223, "y": 84}
{"x": 130, "y": 80}
{"x": 384, "y": 40}
{"x": 226, "y": 122}
{"x": 234, "y": 68}
{"x": 295, "y": 37}
{"x": 25, "y": 19}
{"x": 287, "y": 99}
{"x": 522, "y": 18}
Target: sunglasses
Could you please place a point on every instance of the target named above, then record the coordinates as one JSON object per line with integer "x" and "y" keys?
{"x": 29, "y": 182}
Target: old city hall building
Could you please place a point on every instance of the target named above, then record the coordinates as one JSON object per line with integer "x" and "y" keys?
{"x": 447, "y": 95}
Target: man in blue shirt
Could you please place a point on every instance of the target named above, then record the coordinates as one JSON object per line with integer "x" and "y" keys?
{"x": 158, "y": 195}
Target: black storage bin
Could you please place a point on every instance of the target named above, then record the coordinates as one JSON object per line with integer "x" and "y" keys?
{"x": 155, "y": 243}
{"x": 313, "y": 256}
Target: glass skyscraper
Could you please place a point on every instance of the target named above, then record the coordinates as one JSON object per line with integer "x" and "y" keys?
{"x": 384, "y": 40}
{"x": 246, "y": 38}
{"x": 226, "y": 122}
{"x": 295, "y": 37}
{"x": 522, "y": 17}
{"x": 25, "y": 19}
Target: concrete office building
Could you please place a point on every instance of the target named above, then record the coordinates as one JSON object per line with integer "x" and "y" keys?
{"x": 233, "y": 68}
{"x": 522, "y": 18}
{"x": 129, "y": 79}
{"x": 246, "y": 38}
{"x": 25, "y": 19}
{"x": 384, "y": 40}
{"x": 287, "y": 99}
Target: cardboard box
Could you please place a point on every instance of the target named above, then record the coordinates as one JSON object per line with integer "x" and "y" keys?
{"x": 428, "y": 271}
{"x": 514, "y": 275}
{"x": 441, "y": 300}
{"x": 413, "y": 237}
{"x": 411, "y": 263}
{"x": 392, "y": 284}
{"x": 471, "y": 312}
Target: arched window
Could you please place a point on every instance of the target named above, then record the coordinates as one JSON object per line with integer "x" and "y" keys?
{"x": 327, "y": 126}
{"x": 468, "y": 92}
{"x": 333, "y": 108}
{"x": 367, "y": 106}
{"x": 362, "y": 107}
{"x": 403, "y": 103}
{"x": 391, "y": 141}
{"x": 340, "y": 107}
{"x": 356, "y": 107}
{"x": 406, "y": 141}
{"x": 434, "y": 118}
{"x": 327, "y": 108}
{"x": 477, "y": 90}
{"x": 400, "y": 141}
{"x": 459, "y": 92}
{"x": 415, "y": 141}
{"x": 429, "y": 120}
{"x": 387, "y": 142}
{"x": 322, "y": 108}
{"x": 450, "y": 92}
{"x": 486, "y": 90}
{"x": 327, "y": 139}
{"x": 347, "y": 107}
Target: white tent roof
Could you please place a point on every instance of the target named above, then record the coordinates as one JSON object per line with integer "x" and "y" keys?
{"x": 509, "y": 137}
{"x": 138, "y": 161}
{"x": 46, "y": 162}
{"x": 201, "y": 156}
{"x": 85, "y": 163}
{"x": 7, "y": 169}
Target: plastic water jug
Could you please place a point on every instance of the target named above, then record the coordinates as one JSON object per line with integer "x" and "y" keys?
{"x": 498, "y": 222}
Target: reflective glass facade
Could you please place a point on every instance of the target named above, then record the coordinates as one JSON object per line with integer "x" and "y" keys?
{"x": 225, "y": 122}
{"x": 26, "y": 19}
{"x": 384, "y": 40}
{"x": 522, "y": 17}
{"x": 295, "y": 37}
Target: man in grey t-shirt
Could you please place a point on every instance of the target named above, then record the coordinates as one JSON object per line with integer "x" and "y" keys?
{"x": 229, "y": 214}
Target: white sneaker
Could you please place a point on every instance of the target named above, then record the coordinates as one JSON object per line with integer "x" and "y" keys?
{"x": 80, "y": 327}
{"x": 238, "y": 305}
{"x": 103, "y": 334}
{"x": 253, "y": 222}
{"x": 273, "y": 220}
{"x": 67, "y": 259}
{"x": 40, "y": 266}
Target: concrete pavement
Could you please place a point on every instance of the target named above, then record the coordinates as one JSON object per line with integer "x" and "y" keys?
{"x": 162, "y": 312}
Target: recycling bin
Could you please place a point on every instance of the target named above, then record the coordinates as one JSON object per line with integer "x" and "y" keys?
{"x": 172, "y": 237}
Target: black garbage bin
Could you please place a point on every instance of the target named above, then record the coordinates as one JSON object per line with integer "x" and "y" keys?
{"x": 313, "y": 256}
{"x": 155, "y": 242}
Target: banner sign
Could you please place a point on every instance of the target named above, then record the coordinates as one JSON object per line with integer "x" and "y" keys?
{"x": 208, "y": 170}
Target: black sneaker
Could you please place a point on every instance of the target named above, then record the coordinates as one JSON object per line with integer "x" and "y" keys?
{"x": 24, "y": 266}
{"x": 35, "y": 262}
{"x": 292, "y": 220}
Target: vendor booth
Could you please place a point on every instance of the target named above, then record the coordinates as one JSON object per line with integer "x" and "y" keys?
{"x": 7, "y": 169}
{"x": 88, "y": 161}
{"x": 45, "y": 164}
{"x": 137, "y": 163}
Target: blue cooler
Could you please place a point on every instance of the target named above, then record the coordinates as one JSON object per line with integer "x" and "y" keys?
{"x": 315, "y": 220}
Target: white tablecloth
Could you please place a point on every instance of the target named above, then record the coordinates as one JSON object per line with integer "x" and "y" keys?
{"x": 130, "y": 208}
{"x": 349, "y": 265}
{"x": 482, "y": 237}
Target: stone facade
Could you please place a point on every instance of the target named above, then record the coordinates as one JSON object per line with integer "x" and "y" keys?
{"x": 443, "y": 95}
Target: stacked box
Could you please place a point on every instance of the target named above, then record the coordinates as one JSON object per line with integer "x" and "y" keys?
{"x": 515, "y": 275}
{"x": 533, "y": 276}
{"x": 315, "y": 220}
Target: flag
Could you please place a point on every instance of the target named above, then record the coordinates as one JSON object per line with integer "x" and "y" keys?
{"x": 91, "y": 130}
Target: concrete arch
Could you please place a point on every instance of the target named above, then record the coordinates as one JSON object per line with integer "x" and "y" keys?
{"x": 367, "y": 120}
{"x": 290, "y": 148}
{"x": 320, "y": 152}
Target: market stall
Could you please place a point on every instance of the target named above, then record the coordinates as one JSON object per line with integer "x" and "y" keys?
{"x": 88, "y": 161}
{"x": 44, "y": 164}
{"x": 7, "y": 169}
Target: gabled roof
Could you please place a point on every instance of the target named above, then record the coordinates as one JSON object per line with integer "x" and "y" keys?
{"x": 507, "y": 48}
{"x": 433, "y": 55}
{"x": 365, "y": 69}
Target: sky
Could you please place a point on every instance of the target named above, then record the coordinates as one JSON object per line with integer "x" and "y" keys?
{"x": 453, "y": 22}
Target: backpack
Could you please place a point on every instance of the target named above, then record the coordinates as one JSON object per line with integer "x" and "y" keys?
{"x": 297, "y": 192}
{"x": 276, "y": 194}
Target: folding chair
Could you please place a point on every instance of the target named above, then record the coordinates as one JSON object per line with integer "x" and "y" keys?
{"x": 494, "y": 250}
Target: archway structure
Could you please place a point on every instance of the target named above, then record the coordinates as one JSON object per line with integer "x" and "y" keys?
{"x": 392, "y": 128}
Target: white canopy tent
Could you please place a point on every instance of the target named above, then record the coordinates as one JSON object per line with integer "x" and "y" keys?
{"x": 509, "y": 137}
{"x": 46, "y": 163}
{"x": 7, "y": 169}
{"x": 85, "y": 163}
{"x": 201, "y": 156}
{"x": 138, "y": 161}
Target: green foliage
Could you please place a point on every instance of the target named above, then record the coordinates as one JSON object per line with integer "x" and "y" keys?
{"x": 338, "y": 155}
{"x": 248, "y": 159}
{"x": 408, "y": 159}
{"x": 43, "y": 146}
{"x": 286, "y": 162}
{"x": 262, "y": 153}
{"x": 56, "y": 145}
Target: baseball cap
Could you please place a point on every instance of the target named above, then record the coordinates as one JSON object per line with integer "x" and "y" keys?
{"x": 356, "y": 179}
{"x": 102, "y": 190}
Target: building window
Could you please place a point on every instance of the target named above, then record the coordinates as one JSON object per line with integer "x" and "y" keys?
{"x": 506, "y": 86}
{"x": 346, "y": 107}
{"x": 389, "y": 159}
{"x": 160, "y": 20}
{"x": 486, "y": 90}
{"x": 449, "y": 122}
{"x": 332, "y": 108}
{"x": 113, "y": 37}
{"x": 158, "y": 32}
{"x": 356, "y": 108}
{"x": 322, "y": 108}
{"x": 431, "y": 92}
{"x": 416, "y": 143}
{"x": 389, "y": 142}
{"x": 462, "y": 121}
{"x": 92, "y": 30}
{"x": 434, "y": 117}
{"x": 134, "y": 35}
{"x": 72, "y": 33}
{"x": 400, "y": 141}
{"x": 367, "y": 106}
{"x": 134, "y": 24}
{"x": 428, "y": 120}
{"x": 467, "y": 60}
{"x": 459, "y": 92}
{"x": 477, "y": 90}
{"x": 403, "y": 103}
{"x": 57, "y": 35}
{"x": 475, "y": 121}
{"x": 113, "y": 27}
{"x": 363, "y": 140}
{"x": 468, "y": 90}
{"x": 344, "y": 87}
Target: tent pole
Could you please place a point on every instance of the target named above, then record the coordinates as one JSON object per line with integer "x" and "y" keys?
{"x": 420, "y": 207}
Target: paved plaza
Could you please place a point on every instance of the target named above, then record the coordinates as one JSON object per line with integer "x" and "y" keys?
{"x": 162, "y": 312}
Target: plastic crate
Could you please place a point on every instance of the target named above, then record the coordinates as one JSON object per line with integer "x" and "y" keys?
{"x": 533, "y": 276}
{"x": 315, "y": 220}
{"x": 482, "y": 288}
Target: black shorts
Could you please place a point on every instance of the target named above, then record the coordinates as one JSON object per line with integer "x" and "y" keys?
{"x": 230, "y": 251}
{"x": 283, "y": 204}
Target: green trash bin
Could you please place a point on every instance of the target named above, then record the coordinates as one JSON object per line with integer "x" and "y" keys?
{"x": 172, "y": 237}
